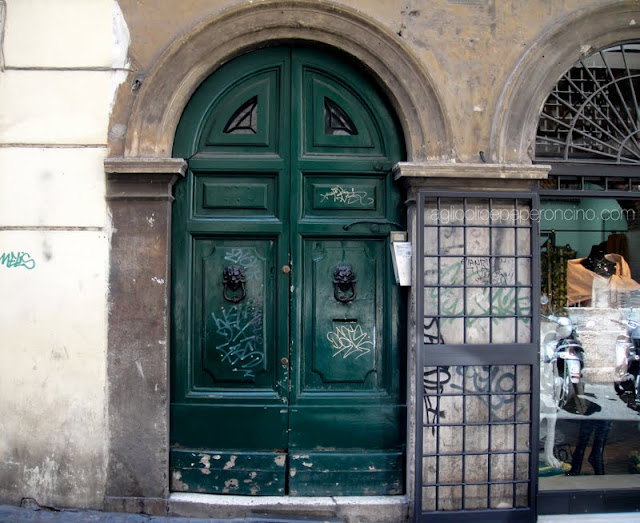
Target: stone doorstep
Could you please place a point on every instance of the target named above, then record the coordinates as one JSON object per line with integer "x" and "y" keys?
{"x": 381, "y": 509}
{"x": 271, "y": 518}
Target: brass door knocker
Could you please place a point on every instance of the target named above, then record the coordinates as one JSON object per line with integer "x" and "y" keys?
{"x": 233, "y": 279}
{"x": 344, "y": 284}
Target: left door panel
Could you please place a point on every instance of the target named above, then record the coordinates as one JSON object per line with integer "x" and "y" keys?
{"x": 230, "y": 372}
{"x": 235, "y": 382}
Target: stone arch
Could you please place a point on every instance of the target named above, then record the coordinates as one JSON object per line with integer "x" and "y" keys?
{"x": 196, "y": 54}
{"x": 516, "y": 120}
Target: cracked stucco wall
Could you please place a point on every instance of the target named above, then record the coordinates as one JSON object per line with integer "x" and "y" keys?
{"x": 468, "y": 47}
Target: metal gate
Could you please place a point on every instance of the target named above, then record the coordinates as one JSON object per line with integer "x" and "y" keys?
{"x": 477, "y": 357}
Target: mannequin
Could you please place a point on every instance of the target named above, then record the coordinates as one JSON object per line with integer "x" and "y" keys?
{"x": 598, "y": 279}
{"x": 596, "y": 261}
{"x": 600, "y": 429}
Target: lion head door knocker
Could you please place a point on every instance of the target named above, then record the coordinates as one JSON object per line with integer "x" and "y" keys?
{"x": 233, "y": 280}
{"x": 344, "y": 284}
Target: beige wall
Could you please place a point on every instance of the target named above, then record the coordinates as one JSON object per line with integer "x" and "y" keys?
{"x": 63, "y": 61}
{"x": 469, "y": 48}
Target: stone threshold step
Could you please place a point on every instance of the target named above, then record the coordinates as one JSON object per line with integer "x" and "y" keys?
{"x": 288, "y": 518}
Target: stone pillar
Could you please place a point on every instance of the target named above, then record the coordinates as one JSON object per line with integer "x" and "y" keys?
{"x": 139, "y": 196}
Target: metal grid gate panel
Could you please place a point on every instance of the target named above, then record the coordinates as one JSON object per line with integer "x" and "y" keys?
{"x": 477, "y": 359}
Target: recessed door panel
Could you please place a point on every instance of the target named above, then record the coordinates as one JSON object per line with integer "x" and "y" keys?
{"x": 236, "y": 194}
{"x": 342, "y": 326}
{"x": 327, "y": 195}
{"x": 230, "y": 472}
{"x": 237, "y": 337}
{"x": 316, "y": 474}
{"x": 338, "y": 120}
{"x": 242, "y": 117}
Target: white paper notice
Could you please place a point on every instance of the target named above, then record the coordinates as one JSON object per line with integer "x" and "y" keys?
{"x": 401, "y": 254}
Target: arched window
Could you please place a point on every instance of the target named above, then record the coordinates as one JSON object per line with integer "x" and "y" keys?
{"x": 593, "y": 112}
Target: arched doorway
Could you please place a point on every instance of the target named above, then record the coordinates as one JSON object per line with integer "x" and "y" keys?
{"x": 287, "y": 330}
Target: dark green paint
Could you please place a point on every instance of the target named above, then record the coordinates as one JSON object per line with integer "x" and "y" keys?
{"x": 351, "y": 474}
{"x": 228, "y": 472}
{"x": 281, "y": 369}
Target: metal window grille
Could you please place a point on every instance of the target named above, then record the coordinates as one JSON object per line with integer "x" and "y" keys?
{"x": 477, "y": 359}
{"x": 476, "y": 452}
{"x": 592, "y": 114}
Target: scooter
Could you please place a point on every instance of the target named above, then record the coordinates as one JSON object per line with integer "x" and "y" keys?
{"x": 563, "y": 349}
{"x": 627, "y": 372}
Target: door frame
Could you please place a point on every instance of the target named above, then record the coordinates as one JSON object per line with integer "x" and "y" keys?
{"x": 295, "y": 160}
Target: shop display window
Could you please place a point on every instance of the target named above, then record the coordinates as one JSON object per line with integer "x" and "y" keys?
{"x": 590, "y": 275}
{"x": 590, "y": 342}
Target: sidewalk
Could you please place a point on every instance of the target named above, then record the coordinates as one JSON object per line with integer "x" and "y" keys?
{"x": 12, "y": 514}
{"x": 628, "y": 517}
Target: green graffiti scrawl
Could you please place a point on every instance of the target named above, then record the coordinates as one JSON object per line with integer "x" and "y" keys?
{"x": 14, "y": 260}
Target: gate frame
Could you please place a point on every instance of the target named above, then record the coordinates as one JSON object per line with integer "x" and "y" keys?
{"x": 475, "y": 181}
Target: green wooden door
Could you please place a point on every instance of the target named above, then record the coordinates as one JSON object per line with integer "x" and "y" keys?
{"x": 287, "y": 338}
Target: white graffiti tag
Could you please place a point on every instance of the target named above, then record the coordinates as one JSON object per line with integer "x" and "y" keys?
{"x": 347, "y": 340}
{"x": 240, "y": 328}
{"x": 350, "y": 197}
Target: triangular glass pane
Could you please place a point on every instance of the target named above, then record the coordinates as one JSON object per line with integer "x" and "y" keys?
{"x": 245, "y": 119}
{"x": 336, "y": 121}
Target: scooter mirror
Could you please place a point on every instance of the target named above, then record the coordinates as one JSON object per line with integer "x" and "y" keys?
{"x": 544, "y": 299}
{"x": 564, "y": 331}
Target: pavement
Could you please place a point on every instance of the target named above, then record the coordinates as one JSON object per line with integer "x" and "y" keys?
{"x": 630, "y": 517}
{"x": 13, "y": 514}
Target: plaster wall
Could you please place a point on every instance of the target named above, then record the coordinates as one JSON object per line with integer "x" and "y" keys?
{"x": 62, "y": 63}
{"x": 469, "y": 48}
